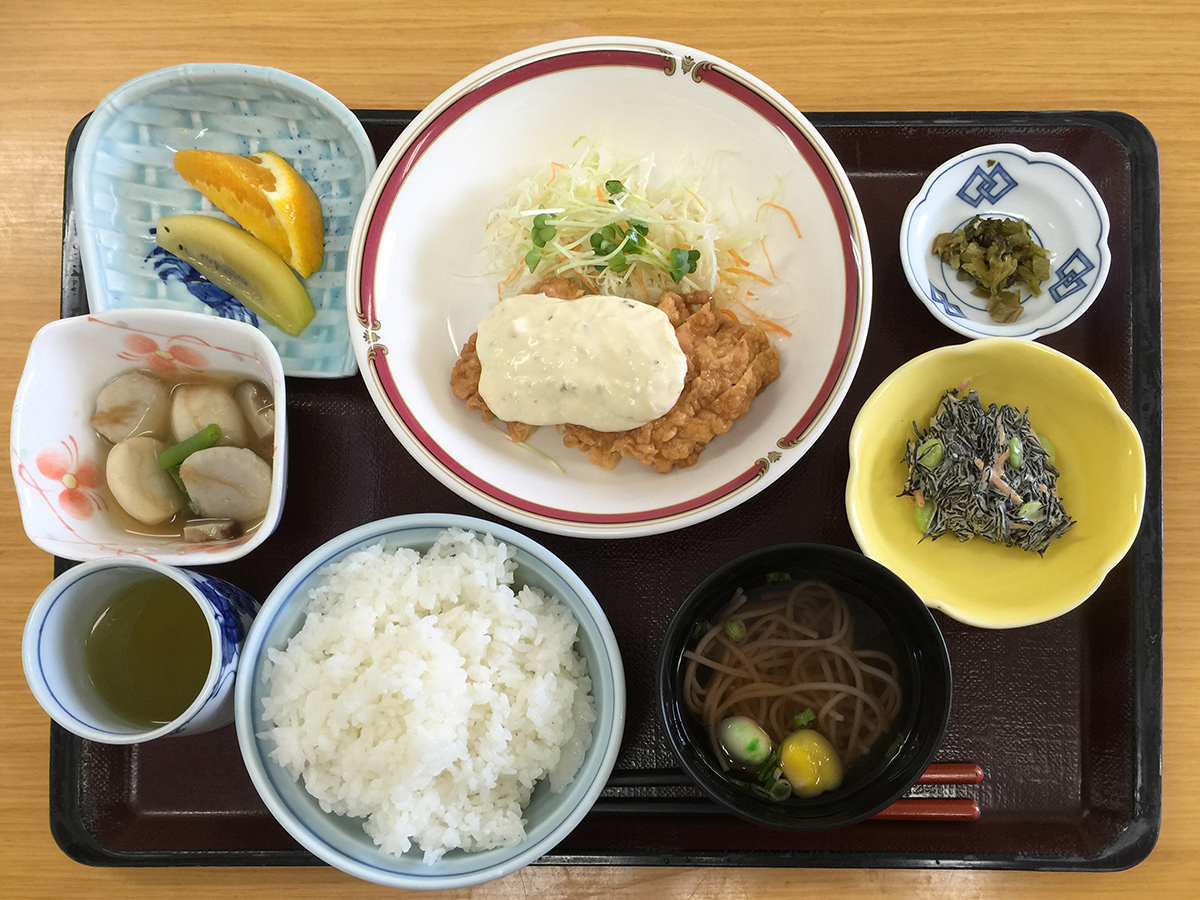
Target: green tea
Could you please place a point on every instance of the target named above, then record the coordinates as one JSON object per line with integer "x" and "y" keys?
{"x": 148, "y": 651}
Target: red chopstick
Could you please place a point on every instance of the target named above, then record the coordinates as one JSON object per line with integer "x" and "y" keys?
{"x": 952, "y": 773}
{"x": 938, "y": 809}
{"x": 930, "y": 809}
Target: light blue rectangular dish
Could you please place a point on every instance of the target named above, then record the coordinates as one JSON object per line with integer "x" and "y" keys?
{"x": 124, "y": 181}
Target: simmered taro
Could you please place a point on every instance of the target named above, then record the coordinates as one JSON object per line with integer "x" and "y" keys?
{"x": 130, "y": 404}
{"x": 227, "y": 482}
{"x": 190, "y": 457}
{"x": 984, "y": 472}
{"x": 138, "y": 483}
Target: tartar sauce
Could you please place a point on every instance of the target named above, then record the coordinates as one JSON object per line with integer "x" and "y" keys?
{"x": 601, "y": 362}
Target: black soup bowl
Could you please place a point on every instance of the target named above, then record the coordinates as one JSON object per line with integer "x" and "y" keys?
{"x": 888, "y": 616}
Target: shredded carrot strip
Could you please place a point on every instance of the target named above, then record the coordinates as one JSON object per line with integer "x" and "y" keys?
{"x": 748, "y": 274}
{"x": 554, "y": 170}
{"x": 768, "y": 325}
{"x": 512, "y": 275}
{"x": 729, "y": 312}
{"x": 783, "y": 210}
{"x": 770, "y": 265}
{"x": 726, "y": 277}
{"x": 599, "y": 196}
{"x": 699, "y": 202}
{"x": 774, "y": 326}
{"x": 587, "y": 283}
{"x": 738, "y": 259}
{"x": 637, "y": 276}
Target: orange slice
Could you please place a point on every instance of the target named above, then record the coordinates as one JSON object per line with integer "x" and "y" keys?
{"x": 264, "y": 195}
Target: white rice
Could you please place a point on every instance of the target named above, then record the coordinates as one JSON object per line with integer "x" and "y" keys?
{"x": 425, "y": 696}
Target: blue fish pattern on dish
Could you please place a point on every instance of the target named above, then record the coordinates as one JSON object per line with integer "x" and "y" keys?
{"x": 167, "y": 266}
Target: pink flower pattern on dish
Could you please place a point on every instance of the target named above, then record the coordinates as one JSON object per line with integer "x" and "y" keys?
{"x": 79, "y": 479}
{"x": 144, "y": 349}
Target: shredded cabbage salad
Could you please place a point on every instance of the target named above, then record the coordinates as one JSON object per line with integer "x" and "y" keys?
{"x": 599, "y": 221}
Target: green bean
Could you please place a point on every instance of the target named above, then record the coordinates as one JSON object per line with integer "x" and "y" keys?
{"x": 201, "y": 440}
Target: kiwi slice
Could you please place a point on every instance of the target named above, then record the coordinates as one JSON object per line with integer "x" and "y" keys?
{"x": 241, "y": 264}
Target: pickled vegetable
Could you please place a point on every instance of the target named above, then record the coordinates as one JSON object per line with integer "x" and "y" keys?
{"x": 999, "y": 254}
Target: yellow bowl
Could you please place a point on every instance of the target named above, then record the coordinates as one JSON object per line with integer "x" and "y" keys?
{"x": 1098, "y": 452}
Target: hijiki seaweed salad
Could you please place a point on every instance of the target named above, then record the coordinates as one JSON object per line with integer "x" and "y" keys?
{"x": 984, "y": 472}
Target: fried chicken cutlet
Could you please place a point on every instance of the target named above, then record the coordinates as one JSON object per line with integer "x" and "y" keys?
{"x": 729, "y": 364}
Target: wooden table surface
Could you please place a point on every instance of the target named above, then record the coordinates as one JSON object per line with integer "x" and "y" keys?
{"x": 58, "y": 59}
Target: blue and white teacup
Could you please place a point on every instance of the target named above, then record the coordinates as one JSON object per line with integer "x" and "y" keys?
{"x": 57, "y": 629}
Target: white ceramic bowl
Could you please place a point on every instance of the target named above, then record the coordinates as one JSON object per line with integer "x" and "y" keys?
{"x": 341, "y": 841}
{"x": 124, "y": 180}
{"x": 421, "y": 278}
{"x": 1062, "y": 207}
{"x": 57, "y": 456}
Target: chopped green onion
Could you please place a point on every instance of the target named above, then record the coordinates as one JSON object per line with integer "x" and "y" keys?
{"x": 780, "y": 790}
{"x": 736, "y": 629}
{"x": 804, "y": 718}
{"x": 769, "y": 772}
{"x": 772, "y": 577}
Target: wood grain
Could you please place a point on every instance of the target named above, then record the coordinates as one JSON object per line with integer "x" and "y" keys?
{"x": 58, "y": 59}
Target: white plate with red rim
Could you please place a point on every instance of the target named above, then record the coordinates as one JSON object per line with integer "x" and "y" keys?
{"x": 419, "y": 278}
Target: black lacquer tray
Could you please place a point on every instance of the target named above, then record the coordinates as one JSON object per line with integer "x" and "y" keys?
{"x": 1065, "y": 717}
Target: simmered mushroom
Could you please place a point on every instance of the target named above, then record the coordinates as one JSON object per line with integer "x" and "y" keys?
{"x": 257, "y": 406}
{"x": 193, "y": 406}
{"x": 202, "y": 530}
{"x": 131, "y": 404}
{"x": 139, "y": 484}
{"x": 231, "y": 482}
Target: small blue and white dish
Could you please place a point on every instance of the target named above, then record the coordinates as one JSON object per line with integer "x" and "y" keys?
{"x": 1064, "y": 210}
{"x": 124, "y": 181}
